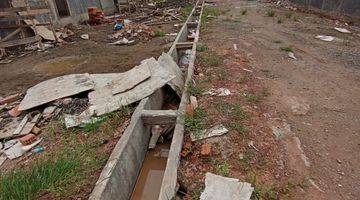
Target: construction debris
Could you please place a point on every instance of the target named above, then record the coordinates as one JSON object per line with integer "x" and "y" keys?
{"x": 10, "y": 99}
{"x": 291, "y": 55}
{"x": 342, "y": 30}
{"x": 219, "y": 187}
{"x": 218, "y": 92}
{"x": 217, "y": 130}
{"x": 85, "y": 36}
{"x": 56, "y": 88}
{"x": 193, "y": 102}
{"x": 19, "y": 149}
{"x": 205, "y": 149}
{"x": 325, "y": 38}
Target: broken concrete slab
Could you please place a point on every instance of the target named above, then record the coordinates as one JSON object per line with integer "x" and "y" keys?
{"x": 217, "y": 130}
{"x": 8, "y": 130}
{"x": 168, "y": 63}
{"x": 56, "y": 88}
{"x": 30, "y": 125}
{"x": 48, "y": 111}
{"x": 218, "y": 187}
{"x": 131, "y": 78}
{"x": 2, "y": 158}
{"x": 104, "y": 101}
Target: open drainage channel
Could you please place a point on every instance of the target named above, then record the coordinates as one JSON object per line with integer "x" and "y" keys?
{"x": 133, "y": 171}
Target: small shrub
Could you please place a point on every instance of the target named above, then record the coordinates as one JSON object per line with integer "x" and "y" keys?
{"x": 243, "y": 12}
{"x": 280, "y": 20}
{"x": 288, "y": 14}
{"x": 270, "y": 13}
{"x": 287, "y": 48}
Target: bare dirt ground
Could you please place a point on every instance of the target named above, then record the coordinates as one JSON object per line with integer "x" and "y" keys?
{"x": 80, "y": 56}
{"x": 306, "y": 128}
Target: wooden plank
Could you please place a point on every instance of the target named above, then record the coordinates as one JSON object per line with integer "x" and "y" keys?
{"x": 11, "y": 35}
{"x": 56, "y": 88}
{"x": 159, "y": 117}
{"x": 10, "y": 26}
{"x": 20, "y": 9}
{"x": 17, "y": 17}
{"x": 20, "y": 42}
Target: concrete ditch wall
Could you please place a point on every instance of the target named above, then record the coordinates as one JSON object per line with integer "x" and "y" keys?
{"x": 346, "y": 7}
{"x": 118, "y": 178}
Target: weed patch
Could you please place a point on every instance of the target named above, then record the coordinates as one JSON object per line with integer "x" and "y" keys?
{"x": 196, "y": 122}
{"x": 287, "y": 48}
{"x": 194, "y": 90}
{"x": 243, "y": 11}
{"x": 201, "y": 48}
{"x": 159, "y": 33}
{"x": 257, "y": 98}
{"x": 270, "y": 13}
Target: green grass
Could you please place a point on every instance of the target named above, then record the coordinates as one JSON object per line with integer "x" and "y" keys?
{"x": 61, "y": 172}
{"x": 185, "y": 11}
{"x": 222, "y": 74}
{"x": 257, "y": 98}
{"x": 232, "y": 110}
{"x": 201, "y": 48}
{"x": 287, "y": 48}
{"x": 194, "y": 90}
{"x": 196, "y": 122}
{"x": 239, "y": 128}
{"x": 270, "y": 13}
{"x": 43, "y": 176}
{"x": 223, "y": 169}
{"x": 210, "y": 59}
{"x": 159, "y": 33}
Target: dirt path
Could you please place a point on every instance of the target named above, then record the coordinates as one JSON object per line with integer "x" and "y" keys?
{"x": 314, "y": 104}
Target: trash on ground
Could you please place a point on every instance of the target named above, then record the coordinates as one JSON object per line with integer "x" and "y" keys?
{"x": 56, "y": 88}
{"x": 325, "y": 38}
{"x": 219, "y": 187}
{"x": 217, "y": 130}
{"x": 247, "y": 70}
{"x": 235, "y": 47}
{"x": 193, "y": 102}
{"x": 85, "y": 36}
{"x": 18, "y": 149}
{"x": 251, "y": 145}
{"x": 342, "y": 30}
{"x": 8, "y": 129}
{"x": 118, "y": 26}
{"x": 80, "y": 120}
{"x": 123, "y": 41}
{"x": 39, "y": 150}
{"x": 291, "y": 55}
{"x": 218, "y": 92}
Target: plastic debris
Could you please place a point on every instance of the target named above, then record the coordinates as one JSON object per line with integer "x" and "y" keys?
{"x": 218, "y": 92}
{"x": 84, "y": 36}
{"x": 219, "y": 187}
{"x": 39, "y": 150}
{"x": 118, "y": 26}
{"x": 17, "y": 150}
{"x": 325, "y": 38}
{"x": 123, "y": 41}
{"x": 342, "y": 30}
{"x": 292, "y": 55}
{"x": 217, "y": 130}
{"x": 235, "y": 47}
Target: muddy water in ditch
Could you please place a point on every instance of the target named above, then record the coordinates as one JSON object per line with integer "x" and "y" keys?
{"x": 149, "y": 181}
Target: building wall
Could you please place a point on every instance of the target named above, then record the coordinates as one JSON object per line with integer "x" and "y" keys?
{"x": 347, "y": 7}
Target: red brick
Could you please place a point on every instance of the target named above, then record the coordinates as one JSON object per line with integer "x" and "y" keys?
{"x": 206, "y": 149}
{"x": 14, "y": 112}
{"x": 10, "y": 99}
{"x": 28, "y": 139}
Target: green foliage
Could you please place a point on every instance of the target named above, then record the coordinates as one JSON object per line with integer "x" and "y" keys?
{"x": 201, "y": 48}
{"x": 287, "y": 48}
{"x": 270, "y": 13}
{"x": 196, "y": 122}
{"x": 159, "y": 33}
{"x": 194, "y": 90}
{"x": 257, "y": 98}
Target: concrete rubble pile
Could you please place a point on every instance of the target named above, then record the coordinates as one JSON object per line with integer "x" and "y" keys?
{"x": 22, "y": 116}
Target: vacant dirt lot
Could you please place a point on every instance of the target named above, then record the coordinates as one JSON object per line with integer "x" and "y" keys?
{"x": 306, "y": 128}
{"x": 95, "y": 55}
